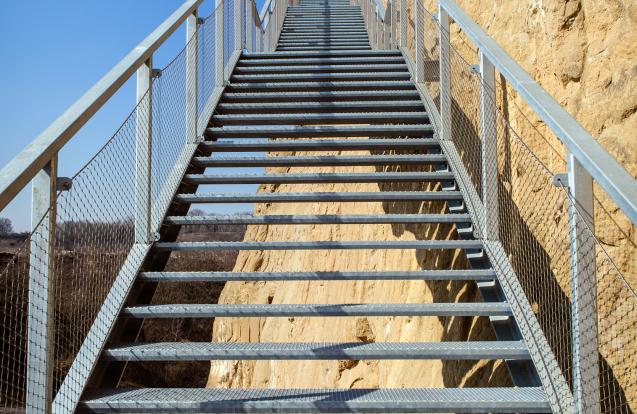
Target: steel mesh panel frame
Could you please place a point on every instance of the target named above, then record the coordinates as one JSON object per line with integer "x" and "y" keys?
{"x": 94, "y": 231}
{"x": 534, "y": 229}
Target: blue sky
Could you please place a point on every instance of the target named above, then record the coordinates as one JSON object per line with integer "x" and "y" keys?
{"x": 51, "y": 52}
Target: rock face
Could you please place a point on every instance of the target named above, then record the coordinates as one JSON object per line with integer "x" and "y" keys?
{"x": 583, "y": 53}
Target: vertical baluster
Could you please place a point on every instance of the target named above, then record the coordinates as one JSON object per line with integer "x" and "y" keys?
{"x": 41, "y": 291}
{"x": 219, "y": 65}
{"x": 250, "y": 26}
{"x": 238, "y": 24}
{"x": 392, "y": 25}
{"x": 191, "y": 76}
{"x": 143, "y": 151}
{"x": 584, "y": 290}
{"x": 489, "y": 149}
{"x": 420, "y": 39}
{"x": 403, "y": 23}
{"x": 445, "y": 74}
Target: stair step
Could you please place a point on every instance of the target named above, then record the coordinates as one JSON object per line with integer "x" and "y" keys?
{"x": 286, "y": 55}
{"x": 322, "y": 245}
{"x": 322, "y": 77}
{"x": 334, "y": 61}
{"x": 324, "y": 43}
{"x": 317, "y": 178}
{"x": 320, "y": 197}
{"x": 320, "y": 96}
{"x": 319, "y": 160}
{"x": 314, "y": 48}
{"x": 327, "y": 131}
{"x": 321, "y": 118}
{"x": 478, "y": 275}
{"x": 292, "y": 38}
{"x": 324, "y": 400}
{"x": 314, "y": 310}
{"x": 320, "y": 68}
{"x": 318, "y": 219}
{"x": 319, "y": 107}
{"x": 206, "y": 351}
{"x": 320, "y": 145}
{"x": 320, "y": 48}
{"x": 320, "y": 86}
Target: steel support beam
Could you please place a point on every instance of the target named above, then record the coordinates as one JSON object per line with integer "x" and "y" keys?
{"x": 143, "y": 152}
{"x": 420, "y": 41}
{"x": 489, "y": 149}
{"x": 584, "y": 290}
{"x": 41, "y": 291}
{"x": 445, "y": 75}
{"x": 192, "y": 48}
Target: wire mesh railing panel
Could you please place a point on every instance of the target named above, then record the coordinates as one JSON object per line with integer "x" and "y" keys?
{"x": 171, "y": 129}
{"x": 94, "y": 230}
{"x": 535, "y": 221}
{"x": 206, "y": 63}
{"x": 229, "y": 22}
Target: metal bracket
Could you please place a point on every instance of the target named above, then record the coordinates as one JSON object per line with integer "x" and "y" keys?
{"x": 155, "y": 73}
{"x": 201, "y": 20}
{"x": 154, "y": 236}
{"x": 475, "y": 69}
{"x": 199, "y": 139}
{"x": 63, "y": 184}
{"x": 435, "y": 18}
{"x": 560, "y": 180}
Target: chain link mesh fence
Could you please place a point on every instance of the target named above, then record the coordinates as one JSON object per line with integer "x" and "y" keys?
{"x": 535, "y": 219}
{"x": 95, "y": 219}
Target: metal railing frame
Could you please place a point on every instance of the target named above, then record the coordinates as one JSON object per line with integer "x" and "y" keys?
{"x": 587, "y": 160}
{"x": 37, "y": 164}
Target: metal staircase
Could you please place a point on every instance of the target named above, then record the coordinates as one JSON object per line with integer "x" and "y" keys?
{"x": 323, "y": 81}
{"x": 301, "y": 78}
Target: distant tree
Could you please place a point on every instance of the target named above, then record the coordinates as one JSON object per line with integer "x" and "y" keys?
{"x": 5, "y": 226}
{"x": 196, "y": 212}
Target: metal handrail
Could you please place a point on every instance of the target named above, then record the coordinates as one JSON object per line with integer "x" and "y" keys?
{"x": 32, "y": 159}
{"x": 602, "y": 167}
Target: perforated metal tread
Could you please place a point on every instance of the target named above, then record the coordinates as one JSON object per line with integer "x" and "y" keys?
{"x": 327, "y": 131}
{"x": 429, "y": 275}
{"x": 318, "y": 219}
{"x": 316, "y": 178}
{"x": 309, "y": 86}
{"x": 311, "y": 310}
{"x": 406, "y": 400}
{"x": 319, "y": 107}
{"x": 204, "y": 351}
{"x": 322, "y": 68}
{"x": 321, "y": 245}
{"x": 319, "y": 160}
{"x": 320, "y": 96}
{"x": 341, "y": 60}
{"x": 320, "y": 197}
{"x": 320, "y": 118}
{"x": 255, "y": 145}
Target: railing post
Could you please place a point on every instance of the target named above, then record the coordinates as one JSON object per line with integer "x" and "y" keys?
{"x": 420, "y": 39}
{"x": 249, "y": 25}
{"x": 238, "y": 23}
{"x": 403, "y": 23}
{"x": 143, "y": 151}
{"x": 41, "y": 289}
{"x": 392, "y": 25}
{"x": 445, "y": 75}
{"x": 489, "y": 149}
{"x": 584, "y": 290}
{"x": 191, "y": 76}
{"x": 219, "y": 64}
